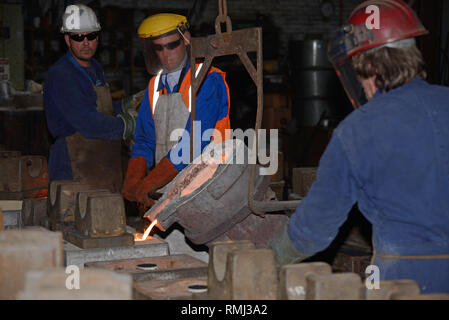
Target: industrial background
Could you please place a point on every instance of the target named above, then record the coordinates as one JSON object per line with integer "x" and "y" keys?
{"x": 303, "y": 99}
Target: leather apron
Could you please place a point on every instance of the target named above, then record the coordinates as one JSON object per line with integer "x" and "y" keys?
{"x": 94, "y": 161}
{"x": 170, "y": 113}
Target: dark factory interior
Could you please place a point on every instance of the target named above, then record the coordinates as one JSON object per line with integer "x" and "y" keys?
{"x": 339, "y": 111}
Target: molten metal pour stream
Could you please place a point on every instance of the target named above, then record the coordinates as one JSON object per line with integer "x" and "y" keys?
{"x": 146, "y": 233}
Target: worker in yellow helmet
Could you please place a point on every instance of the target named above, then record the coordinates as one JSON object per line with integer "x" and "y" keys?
{"x": 166, "y": 107}
{"x": 168, "y": 26}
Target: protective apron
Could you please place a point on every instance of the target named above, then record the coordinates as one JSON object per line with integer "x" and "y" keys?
{"x": 94, "y": 161}
{"x": 169, "y": 113}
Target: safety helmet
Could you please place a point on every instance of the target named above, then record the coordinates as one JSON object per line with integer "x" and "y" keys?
{"x": 158, "y": 26}
{"x": 79, "y": 18}
{"x": 397, "y": 21}
{"x": 162, "y": 24}
{"x": 397, "y": 26}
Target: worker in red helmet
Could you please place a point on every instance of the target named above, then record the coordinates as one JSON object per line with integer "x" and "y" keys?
{"x": 390, "y": 156}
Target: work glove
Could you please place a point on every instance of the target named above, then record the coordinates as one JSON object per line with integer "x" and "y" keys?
{"x": 163, "y": 173}
{"x": 129, "y": 113}
{"x": 134, "y": 174}
{"x": 129, "y": 121}
{"x": 132, "y": 102}
{"x": 284, "y": 250}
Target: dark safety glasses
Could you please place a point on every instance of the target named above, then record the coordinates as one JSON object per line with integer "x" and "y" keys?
{"x": 80, "y": 37}
{"x": 169, "y": 46}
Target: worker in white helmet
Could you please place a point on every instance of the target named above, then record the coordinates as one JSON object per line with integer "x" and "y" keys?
{"x": 80, "y": 114}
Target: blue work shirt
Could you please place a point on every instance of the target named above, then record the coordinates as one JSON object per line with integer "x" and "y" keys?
{"x": 211, "y": 106}
{"x": 391, "y": 157}
{"x": 70, "y": 105}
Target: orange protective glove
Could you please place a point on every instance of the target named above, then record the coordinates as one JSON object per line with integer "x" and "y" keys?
{"x": 134, "y": 175}
{"x": 163, "y": 173}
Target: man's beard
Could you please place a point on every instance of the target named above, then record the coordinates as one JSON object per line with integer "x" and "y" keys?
{"x": 80, "y": 57}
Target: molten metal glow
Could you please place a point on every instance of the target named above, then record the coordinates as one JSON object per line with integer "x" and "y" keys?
{"x": 146, "y": 233}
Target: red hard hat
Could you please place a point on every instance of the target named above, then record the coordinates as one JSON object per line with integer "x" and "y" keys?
{"x": 395, "y": 25}
{"x": 397, "y": 21}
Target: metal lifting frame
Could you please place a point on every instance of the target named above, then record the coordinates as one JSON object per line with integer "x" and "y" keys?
{"x": 238, "y": 42}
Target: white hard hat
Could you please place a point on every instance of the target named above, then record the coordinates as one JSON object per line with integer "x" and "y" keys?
{"x": 79, "y": 18}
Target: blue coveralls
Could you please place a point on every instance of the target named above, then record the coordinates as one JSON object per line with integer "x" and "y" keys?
{"x": 70, "y": 105}
{"x": 211, "y": 106}
{"x": 391, "y": 157}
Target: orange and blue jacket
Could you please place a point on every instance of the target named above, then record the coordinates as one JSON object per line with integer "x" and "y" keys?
{"x": 212, "y": 112}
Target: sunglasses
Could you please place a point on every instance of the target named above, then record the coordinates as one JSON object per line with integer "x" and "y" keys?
{"x": 80, "y": 37}
{"x": 169, "y": 46}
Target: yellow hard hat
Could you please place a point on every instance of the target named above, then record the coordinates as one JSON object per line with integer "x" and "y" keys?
{"x": 159, "y": 24}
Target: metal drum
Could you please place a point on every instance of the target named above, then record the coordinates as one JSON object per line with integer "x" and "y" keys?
{"x": 309, "y": 54}
{"x": 316, "y": 90}
{"x": 315, "y": 84}
{"x": 311, "y": 110}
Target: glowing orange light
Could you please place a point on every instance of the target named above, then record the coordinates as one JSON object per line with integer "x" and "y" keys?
{"x": 42, "y": 193}
{"x": 146, "y": 233}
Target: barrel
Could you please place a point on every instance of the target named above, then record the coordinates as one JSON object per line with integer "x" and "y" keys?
{"x": 316, "y": 91}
